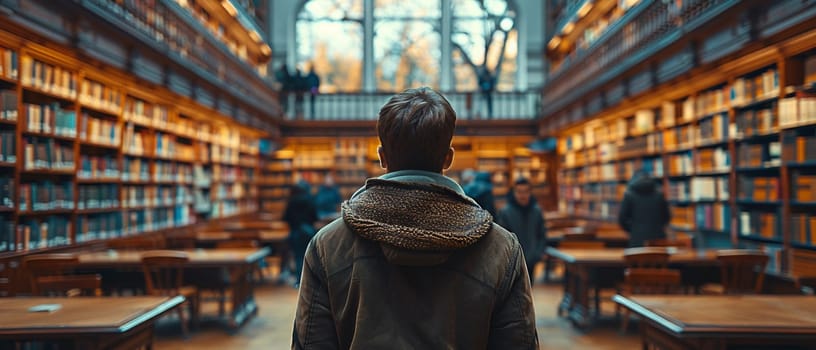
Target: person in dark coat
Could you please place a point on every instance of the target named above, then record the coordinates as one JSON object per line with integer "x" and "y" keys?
{"x": 301, "y": 215}
{"x": 414, "y": 263}
{"x": 487, "y": 84}
{"x": 481, "y": 190}
{"x": 328, "y": 199}
{"x": 644, "y": 212}
{"x": 523, "y": 216}
{"x": 313, "y": 83}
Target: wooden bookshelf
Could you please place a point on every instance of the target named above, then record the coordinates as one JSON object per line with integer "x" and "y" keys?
{"x": 735, "y": 154}
{"x": 351, "y": 160}
{"x": 89, "y": 153}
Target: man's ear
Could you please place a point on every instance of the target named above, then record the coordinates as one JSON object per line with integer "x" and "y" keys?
{"x": 448, "y": 159}
{"x": 381, "y": 155}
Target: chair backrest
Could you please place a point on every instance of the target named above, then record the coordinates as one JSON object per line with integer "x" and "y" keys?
{"x": 213, "y": 236}
{"x": 239, "y": 243}
{"x": 164, "y": 271}
{"x": 641, "y": 280}
{"x": 581, "y": 245}
{"x": 742, "y": 271}
{"x": 141, "y": 243}
{"x": 43, "y": 265}
{"x": 650, "y": 257}
{"x": 579, "y": 236}
{"x": 70, "y": 285}
{"x": 665, "y": 242}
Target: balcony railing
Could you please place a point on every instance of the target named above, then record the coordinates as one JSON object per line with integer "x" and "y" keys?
{"x": 644, "y": 30}
{"x": 366, "y": 106}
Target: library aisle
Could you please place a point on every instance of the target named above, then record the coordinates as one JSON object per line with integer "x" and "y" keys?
{"x": 272, "y": 329}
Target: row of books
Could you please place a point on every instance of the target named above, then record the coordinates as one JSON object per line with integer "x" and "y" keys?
{"x": 710, "y": 102}
{"x": 714, "y": 129}
{"x": 750, "y": 122}
{"x": 799, "y": 148}
{"x": 50, "y": 118}
{"x": 172, "y": 172}
{"x": 682, "y": 217}
{"x": 713, "y": 159}
{"x": 142, "y": 220}
{"x": 713, "y": 216}
{"x": 7, "y": 234}
{"x": 231, "y": 174}
{"x": 154, "y": 196}
{"x": 7, "y": 192}
{"x": 100, "y": 96}
{"x": 8, "y": 63}
{"x": 99, "y": 131}
{"x": 763, "y": 86}
{"x": 759, "y": 155}
{"x": 8, "y": 105}
{"x": 47, "y": 77}
{"x": 145, "y": 113}
{"x": 680, "y": 164}
{"x": 51, "y": 231}
{"x": 135, "y": 169}
{"x": 46, "y": 195}
{"x": 8, "y": 146}
{"x": 48, "y": 154}
{"x": 99, "y": 226}
{"x": 223, "y": 154}
{"x": 803, "y": 187}
{"x": 759, "y": 223}
{"x": 679, "y": 138}
{"x": 165, "y": 146}
{"x": 222, "y": 209}
{"x": 228, "y": 191}
{"x": 759, "y": 189}
{"x": 98, "y": 196}
{"x": 803, "y": 228}
{"x": 705, "y": 188}
{"x": 796, "y": 110}
{"x": 98, "y": 167}
{"x": 133, "y": 142}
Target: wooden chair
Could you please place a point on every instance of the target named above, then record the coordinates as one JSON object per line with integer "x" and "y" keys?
{"x": 236, "y": 244}
{"x": 581, "y": 245}
{"x": 164, "y": 276}
{"x": 52, "y": 275}
{"x": 71, "y": 285}
{"x": 651, "y": 257}
{"x": 142, "y": 243}
{"x": 643, "y": 280}
{"x": 741, "y": 272}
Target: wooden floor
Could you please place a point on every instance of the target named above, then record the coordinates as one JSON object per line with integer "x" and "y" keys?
{"x": 272, "y": 328}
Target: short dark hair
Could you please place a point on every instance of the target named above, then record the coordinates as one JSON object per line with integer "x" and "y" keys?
{"x": 415, "y": 129}
{"x": 521, "y": 181}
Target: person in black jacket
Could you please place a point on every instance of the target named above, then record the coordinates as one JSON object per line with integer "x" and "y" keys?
{"x": 523, "y": 216}
{"x": 414, "y": 263}
{"x": 301, "y": 215}
{"x": 644, "y": 212}
{"x": 481, "y": 190}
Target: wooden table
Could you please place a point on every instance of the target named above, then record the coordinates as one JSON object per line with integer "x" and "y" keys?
{"x": 239, "y": 263}
{"x": 85, "y": 322}
{"x": 704, "y": 322}
{"x": 586, "y": 269}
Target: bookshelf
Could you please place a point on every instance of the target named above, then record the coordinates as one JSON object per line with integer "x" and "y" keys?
{"x": 351, "y": 160}
{"x": 89, "y": 154}
{"x": 736, "y": 155}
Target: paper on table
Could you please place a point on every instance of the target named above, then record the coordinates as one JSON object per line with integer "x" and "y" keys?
{"x": 45, "y": 308}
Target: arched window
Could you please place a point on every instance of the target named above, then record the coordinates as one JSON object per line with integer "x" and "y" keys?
{"x": 407, "y": 45}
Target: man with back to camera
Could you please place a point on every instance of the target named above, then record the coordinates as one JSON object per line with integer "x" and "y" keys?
{"x": 413, "y": 263}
